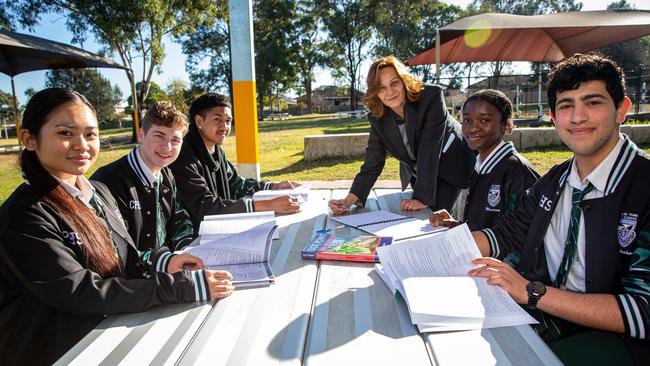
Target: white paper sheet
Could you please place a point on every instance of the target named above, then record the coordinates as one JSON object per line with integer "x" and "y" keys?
{"x": 431, "y": 273}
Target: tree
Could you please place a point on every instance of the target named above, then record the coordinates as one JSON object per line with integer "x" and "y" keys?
{"x": 632, "y": 54}
{"x": 91, "y": 84}
{"x": 210, "y": 44}
{"x": 176, "y": 91}
{"x": 156, "y": 94}
{"x": 309, "y": 48}
{"x": 7, "y": 112}
{"x": 131, "y": 29}
{"x": 29, "y": 92}
{"x": 275, "y": 37}
{"x": 348, "y": 25}
{"x": 404, "y": 29}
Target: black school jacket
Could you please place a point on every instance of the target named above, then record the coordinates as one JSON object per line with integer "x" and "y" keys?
{"x": 49, "y": 299}
{"x": 617, "y": 229}
{"x": 429, "y": 128}
{"x": 497, "y": 188}
{"x": 208, "y": 184}
{"x": 136, "y": 199}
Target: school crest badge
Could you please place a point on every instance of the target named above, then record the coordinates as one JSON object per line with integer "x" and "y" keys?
{"x": 626, "y": 226}
{"x": 494, "y": 195}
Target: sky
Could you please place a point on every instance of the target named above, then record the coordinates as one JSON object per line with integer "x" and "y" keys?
{"x": 52, "y": 27}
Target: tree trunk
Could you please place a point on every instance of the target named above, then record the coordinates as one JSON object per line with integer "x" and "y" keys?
{"x": 308, "y": 91}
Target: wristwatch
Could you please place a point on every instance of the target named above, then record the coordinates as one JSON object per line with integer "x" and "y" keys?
{"x": 535, "y": 290}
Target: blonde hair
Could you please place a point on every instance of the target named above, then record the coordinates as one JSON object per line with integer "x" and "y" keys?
{"x": 412, "y": 85}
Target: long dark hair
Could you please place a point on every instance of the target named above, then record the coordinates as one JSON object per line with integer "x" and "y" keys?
{"x": 96, "y": 241}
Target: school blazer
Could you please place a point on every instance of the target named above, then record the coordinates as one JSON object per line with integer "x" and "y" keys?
{"x": 497, "y": 188}
{"x": 429, "y": 129}
{"x": 49, "y": 299}
{"x": 208, "y": 184}
{"x": 137, "y": 204}
{"x": 617, "y": 229}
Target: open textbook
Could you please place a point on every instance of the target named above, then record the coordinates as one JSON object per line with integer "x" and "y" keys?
{"x": 245, "y": 255}
{"x": 384, "y": 223}
{"x": 301, "y": 192}
{"x": 218, "y": 226}
{"x": 431, "y": 275}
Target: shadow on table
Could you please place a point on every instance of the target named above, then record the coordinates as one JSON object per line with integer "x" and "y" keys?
{"x": 344, "y": 318}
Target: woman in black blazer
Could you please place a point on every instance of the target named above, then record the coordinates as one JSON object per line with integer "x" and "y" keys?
{"x": 409, "y": 121}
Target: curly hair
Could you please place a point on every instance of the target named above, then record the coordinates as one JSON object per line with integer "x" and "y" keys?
{"x": 163, "y": 113}
{"x": 412, "y": 85}
{"x": 500, "y": 101}
{"x": 578, "y": 69}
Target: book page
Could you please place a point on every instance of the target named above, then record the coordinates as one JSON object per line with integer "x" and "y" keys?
{"x": 250, "y": 246}
{"x": 247, "y": 273}
{"x": 431, "y": 272}
{"x": 219, "y": 226}
{"x": 368, "y": 218}
{"x": 448, "y": 253}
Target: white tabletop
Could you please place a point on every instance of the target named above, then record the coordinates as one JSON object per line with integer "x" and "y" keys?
{"x": 317, "y": 313}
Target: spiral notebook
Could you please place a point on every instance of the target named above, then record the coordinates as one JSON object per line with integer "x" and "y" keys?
{"x": 385, "y": 223}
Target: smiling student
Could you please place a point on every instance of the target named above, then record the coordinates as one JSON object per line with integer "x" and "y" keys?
{"x": 501, "y": 175}
{"x": 583, "y": 230}
{"x": 143, "y": 185}
{"x": 66, "y": 259}
{"x": 208, "y": 184}
{"x": 409, "y": 121}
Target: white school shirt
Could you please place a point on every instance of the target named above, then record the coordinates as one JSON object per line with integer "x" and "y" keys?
{"x": 141, "y": 169}
{"x": 479, "y": 163}
{"x": 556, "y": 233}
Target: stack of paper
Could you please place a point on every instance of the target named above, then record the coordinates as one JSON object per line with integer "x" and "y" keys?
{"x": 431, "y": 275}
{"x": 384, "y": 223}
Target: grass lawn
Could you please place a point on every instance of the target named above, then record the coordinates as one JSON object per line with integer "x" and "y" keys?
{"x": 281, "y": 153}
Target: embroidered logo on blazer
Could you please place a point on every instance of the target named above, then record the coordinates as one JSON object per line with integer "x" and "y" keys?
{"x": 545, "y": 203}
{"x": 71, "y": 237}
{"x": 626, "y": 226}
{"x": 134, "y": 204}
{"x": 494, "y": 195}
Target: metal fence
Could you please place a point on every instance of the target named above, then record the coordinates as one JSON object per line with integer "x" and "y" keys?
{"x": 530, "y": 99}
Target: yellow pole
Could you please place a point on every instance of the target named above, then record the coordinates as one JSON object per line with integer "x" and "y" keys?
{"x": 244, "y": 89}
{"x": 134, "y": 101}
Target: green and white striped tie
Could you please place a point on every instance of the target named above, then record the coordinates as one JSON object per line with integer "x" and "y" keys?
{"x": 571, "y": 247}
{"x": 160, "y": 220}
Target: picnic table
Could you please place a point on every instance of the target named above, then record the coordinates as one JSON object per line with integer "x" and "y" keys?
{"x": 356, "y": 114}
{"x": 317, "y": 313}
{"x": 280, "y": 116}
